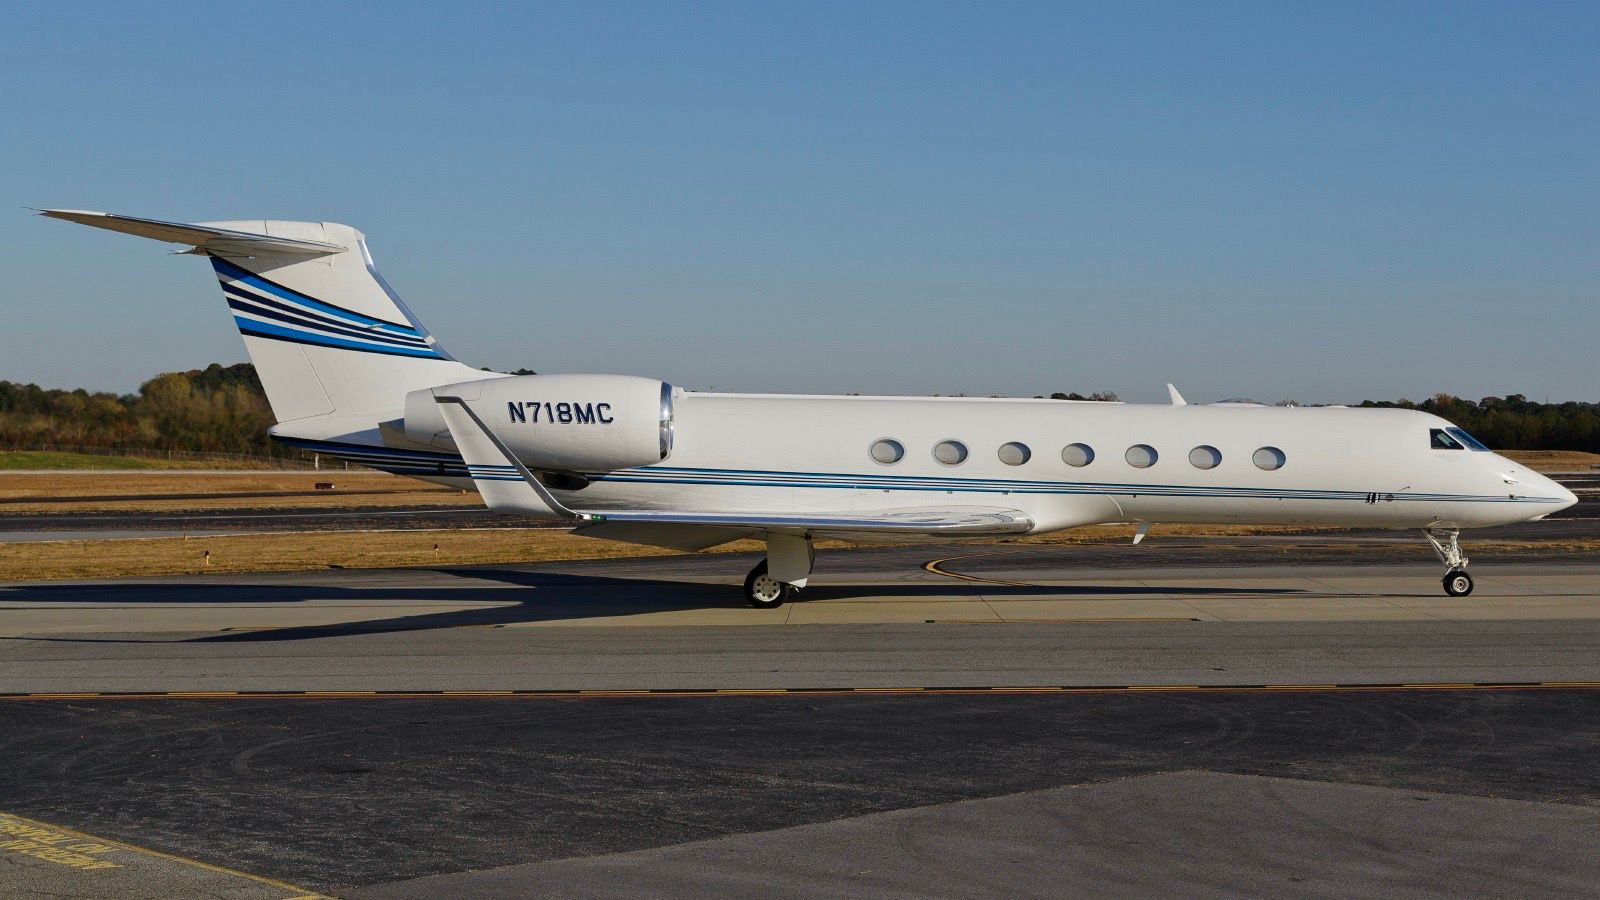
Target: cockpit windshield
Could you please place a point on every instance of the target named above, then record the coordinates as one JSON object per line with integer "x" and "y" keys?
{"x": 1453, "y": 438}
{"x": 1471, "y": 442}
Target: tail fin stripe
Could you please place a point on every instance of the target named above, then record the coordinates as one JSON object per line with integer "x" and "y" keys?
{"x": 255, "y": 315}
{"x": 288, "y": 314}
{"x": 235, "y": 289}
{"x": 227, "y": 271}
{"x": 256, "y": 328}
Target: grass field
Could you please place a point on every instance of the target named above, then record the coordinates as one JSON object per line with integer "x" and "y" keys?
{"x": 48, "y": 459}
{"x": 1554, "y": 460}
{"x": 136, "y": 491}
{"x": 56, "y": 560}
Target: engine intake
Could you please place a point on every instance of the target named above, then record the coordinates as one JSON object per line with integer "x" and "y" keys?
{"x": 559, "y": 423}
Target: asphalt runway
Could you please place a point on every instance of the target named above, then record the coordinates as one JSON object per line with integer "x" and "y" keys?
{"x": 1294, "y": 715}
{"x": 1438, "y": 793}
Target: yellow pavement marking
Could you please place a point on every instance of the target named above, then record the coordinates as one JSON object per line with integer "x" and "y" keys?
{"x": 892, "y": 690}
{"x": 757, "y": 692}
{"x": 294, "y": 892}
{"x": 600, "y": 693}
{"x": 935, "y": 565}
{"x": 1028, "y": 690}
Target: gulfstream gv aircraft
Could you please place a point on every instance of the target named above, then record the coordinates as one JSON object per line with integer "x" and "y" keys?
{"x": 351, "y": 373}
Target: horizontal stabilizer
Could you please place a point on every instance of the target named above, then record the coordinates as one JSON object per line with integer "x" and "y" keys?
{"x": 201, "y": 236}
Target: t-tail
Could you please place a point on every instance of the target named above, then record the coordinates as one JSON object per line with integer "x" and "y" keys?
{"x": 335, "y": 349}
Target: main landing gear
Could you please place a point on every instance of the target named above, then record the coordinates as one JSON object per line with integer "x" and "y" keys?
{"x": 774, "y": 580}
{"x": 1457, "y": 583}
{"x": 763, "y": 591}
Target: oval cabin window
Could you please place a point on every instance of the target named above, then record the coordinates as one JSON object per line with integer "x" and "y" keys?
{"x": 1014, "y": 453}
{"x": 888, "y": 451}
{"x": 1077, "y": 455}
{"x": 1141, "y": 456}
{"x": 951, "y": 453}
{"x": 1269, "y": 458}
{"x": 1205, "y": 457}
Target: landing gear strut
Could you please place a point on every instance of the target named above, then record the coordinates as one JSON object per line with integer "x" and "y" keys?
{"x": 1457, "y": 583}
{"x": 775, "y": 579}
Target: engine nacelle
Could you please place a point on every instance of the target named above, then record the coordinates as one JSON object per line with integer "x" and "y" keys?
{"x": 561, "y": 423}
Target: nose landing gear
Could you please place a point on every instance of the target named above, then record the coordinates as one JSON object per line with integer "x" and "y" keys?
{"x": 1445, "y": 541}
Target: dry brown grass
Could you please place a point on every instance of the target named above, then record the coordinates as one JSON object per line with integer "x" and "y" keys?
{"x": 299, "y": 551}
{"x": 1554, "y": 460}
{"x": 147, "y": 491}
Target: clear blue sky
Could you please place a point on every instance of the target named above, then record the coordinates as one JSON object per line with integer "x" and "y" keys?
{"x": 1327, "y": 202}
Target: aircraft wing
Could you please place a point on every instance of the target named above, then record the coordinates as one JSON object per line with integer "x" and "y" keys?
{"x": 507, "y": 486}
{"x": 700, "y": 530}
{"x": 203, "y": 237}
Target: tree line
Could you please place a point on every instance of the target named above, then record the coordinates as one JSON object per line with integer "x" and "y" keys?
{"x": 1514, "y": 422}
{"x": 218, "y": 409}
{"x": 222, "y": 409}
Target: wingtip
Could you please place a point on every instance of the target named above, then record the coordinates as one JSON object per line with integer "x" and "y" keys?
{"x": 64, "y": 213}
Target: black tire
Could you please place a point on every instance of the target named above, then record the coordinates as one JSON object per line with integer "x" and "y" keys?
{"x": 1457, "y": 583}
{"x": 764, "y": 592}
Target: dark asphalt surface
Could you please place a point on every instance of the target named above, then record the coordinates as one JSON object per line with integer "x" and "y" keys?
{"x": 342, "y": 793}
{"x": 1194, "y": 834}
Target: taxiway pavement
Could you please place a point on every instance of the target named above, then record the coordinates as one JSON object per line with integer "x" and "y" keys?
{"x": 1018, "y": 615}
{"x": 1301, "y": 714}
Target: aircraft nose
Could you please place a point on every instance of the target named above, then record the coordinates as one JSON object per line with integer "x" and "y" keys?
{"x": 1568, "y": 498}
{"x": 1549, "y": 487}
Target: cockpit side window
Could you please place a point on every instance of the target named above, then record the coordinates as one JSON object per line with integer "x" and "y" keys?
{"x": 1471, "y": 442}
{"x": 1439, "y": 439}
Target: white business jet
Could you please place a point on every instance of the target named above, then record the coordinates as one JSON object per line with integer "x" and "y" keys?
{"x": 351, "y": 373}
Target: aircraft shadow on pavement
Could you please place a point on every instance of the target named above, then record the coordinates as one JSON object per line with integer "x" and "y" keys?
{"x": 546, "y": 597}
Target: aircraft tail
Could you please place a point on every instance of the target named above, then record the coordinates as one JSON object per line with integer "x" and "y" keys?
{"x": 328, "y": 338}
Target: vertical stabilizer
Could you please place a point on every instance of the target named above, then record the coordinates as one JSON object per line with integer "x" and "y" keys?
{"x": 326, "y": 334}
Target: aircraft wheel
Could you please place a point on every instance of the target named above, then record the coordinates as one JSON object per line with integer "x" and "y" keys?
{"x": 763, "y": 591}
{"x": 1457, "y": 583}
